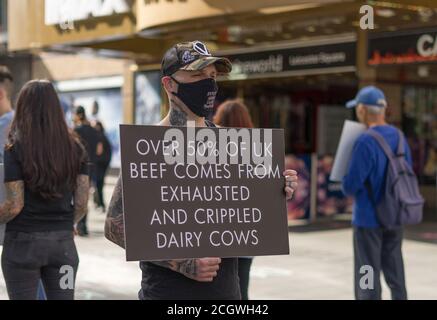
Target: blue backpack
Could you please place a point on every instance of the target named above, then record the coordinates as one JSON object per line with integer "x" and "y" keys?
{"x": 401, "y": 202}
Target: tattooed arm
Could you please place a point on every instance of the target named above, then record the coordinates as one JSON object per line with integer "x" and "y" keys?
{"x": 14, "y": 202}
{"x": 114, "y": 224}
{"x": 81, "y": 197}
{"x": 203, "y": 270}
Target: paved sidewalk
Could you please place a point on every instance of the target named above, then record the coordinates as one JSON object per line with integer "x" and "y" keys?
{"x": 319, "y": 267}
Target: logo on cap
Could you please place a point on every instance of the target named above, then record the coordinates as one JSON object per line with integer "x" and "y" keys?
{"x": 187, "y": 57}
{"x": 201, "y": 48}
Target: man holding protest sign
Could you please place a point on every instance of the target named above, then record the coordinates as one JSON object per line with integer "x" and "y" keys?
{"x": 189, "y": 78}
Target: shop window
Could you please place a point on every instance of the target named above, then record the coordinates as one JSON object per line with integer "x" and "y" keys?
{"x": 3, "y": 20}
{"x": 147, "y": 97}
{"x": 102, "y": 105}
{"x": 419, "y": 122}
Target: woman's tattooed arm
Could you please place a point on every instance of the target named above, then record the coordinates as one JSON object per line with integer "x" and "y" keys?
{"x": 81, "y": 197}
{"x": 14, "y": 202}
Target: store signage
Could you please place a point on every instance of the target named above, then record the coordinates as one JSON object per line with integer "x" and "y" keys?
{"x": 67, "y": 11}
{"x": 203, "y": 192}
{"x": 427, "y": 45}
{"x": 402, "y": 48}
{"x": 293, "y": 59}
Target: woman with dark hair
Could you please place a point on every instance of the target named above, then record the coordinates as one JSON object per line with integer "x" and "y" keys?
{"x": 47, "y": 186}
{"x": 234, "y": 114}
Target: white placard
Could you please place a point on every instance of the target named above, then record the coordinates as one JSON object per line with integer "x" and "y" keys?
{"x": 351, "y": 131}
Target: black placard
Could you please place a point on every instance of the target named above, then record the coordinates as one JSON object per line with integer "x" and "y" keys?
{"x": 193, "y": 208}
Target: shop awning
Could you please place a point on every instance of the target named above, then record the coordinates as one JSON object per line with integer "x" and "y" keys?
{"x": 150, "y": 27}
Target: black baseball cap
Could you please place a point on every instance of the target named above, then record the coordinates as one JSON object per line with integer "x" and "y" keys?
{"x": 80, "y": 110}
{"x": 190, "y": 56}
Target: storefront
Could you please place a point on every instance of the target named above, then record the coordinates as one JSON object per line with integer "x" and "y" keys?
{"x": 101, "y": 98}
{"x": 18, "y": 64}
{"x": 302, "y": 88}
{"x": 148, "y": 97}
{"x": 294, "y": 66}
{"x": 82, "y": 77}
{"x": 3, "y": 26}
{"x": 406, "y": 62}
{"x": 290, "y": 81}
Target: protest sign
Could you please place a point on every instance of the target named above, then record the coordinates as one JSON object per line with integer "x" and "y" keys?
{"x": 203, "y": 192}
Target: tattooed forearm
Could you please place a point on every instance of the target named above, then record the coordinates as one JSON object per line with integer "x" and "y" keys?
{"x": 177, "y": 116}
{"x": 114, "y": 224}
{"x": 14, "y": 201}
{"x": 187, "y": 267}
{"x": 81, "y": 197}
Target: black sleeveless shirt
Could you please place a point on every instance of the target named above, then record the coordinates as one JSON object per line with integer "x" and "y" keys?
{"x": 159, "y": 283}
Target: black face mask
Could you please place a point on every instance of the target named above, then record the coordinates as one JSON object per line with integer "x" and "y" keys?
{"x": 198, "y": 96}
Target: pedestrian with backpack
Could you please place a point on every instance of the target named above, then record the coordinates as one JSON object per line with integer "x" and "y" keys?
{"x": 386, "y": 197}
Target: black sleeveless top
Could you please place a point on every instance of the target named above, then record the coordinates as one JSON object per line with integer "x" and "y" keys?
{"x": 159, "y": 283}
